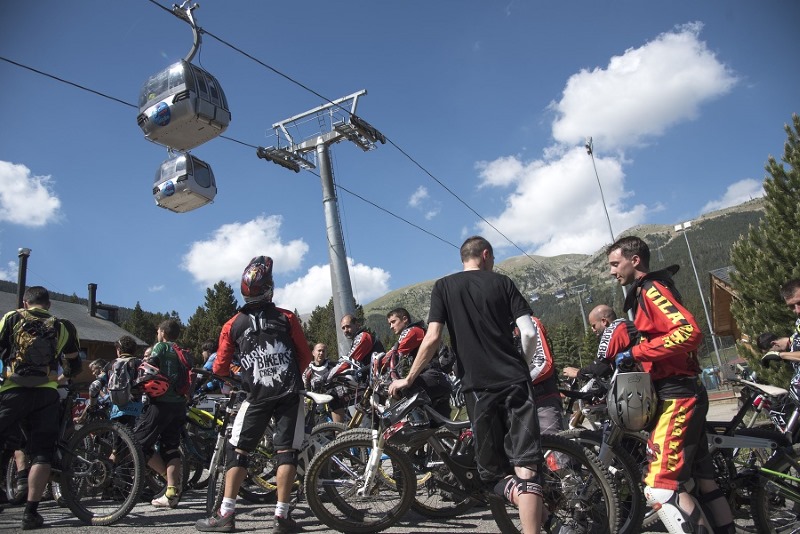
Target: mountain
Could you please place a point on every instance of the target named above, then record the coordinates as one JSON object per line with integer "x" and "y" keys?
{"x": 584, "y": 277}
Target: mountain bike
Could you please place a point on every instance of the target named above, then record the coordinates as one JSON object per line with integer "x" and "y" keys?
{"x": 98, "y": 468}
{"x": 260, "y": 485}
{"x": 365, "y": 484}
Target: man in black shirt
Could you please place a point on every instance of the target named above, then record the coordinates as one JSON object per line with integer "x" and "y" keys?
{"x": 477, "y": 305}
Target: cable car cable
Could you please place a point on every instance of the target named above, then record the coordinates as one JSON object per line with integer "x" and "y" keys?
{"x": 338, "y": 186}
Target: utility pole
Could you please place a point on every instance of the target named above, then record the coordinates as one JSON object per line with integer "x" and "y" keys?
{"x": 590, "y": 150}
{"x": 333, "y": 122}
{"x": 22, "y": 274}
{"x": 684, "y": 227}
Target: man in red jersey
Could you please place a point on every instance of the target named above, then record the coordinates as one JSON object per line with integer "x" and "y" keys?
{"x": 678, "y": 446}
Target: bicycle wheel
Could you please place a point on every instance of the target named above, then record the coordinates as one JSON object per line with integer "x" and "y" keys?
{"x": 336, "y": 475}
{"x": 578, "y": 492}
{"x": 260, "y": 486}
{"x": 198, "y": 443}
{"x": 624, "y": 472}
{"x": 433, "y": 497}
{"x": 102, "y": 472}
{"x": 13, "y": 496}
{"x": 775, "y": 501}
{"x": 158, "y": 484}
{"x": 216, "y": 480}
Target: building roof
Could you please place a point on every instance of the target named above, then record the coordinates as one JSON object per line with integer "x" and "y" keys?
{"x": 724, "y": 273}
{"x": 89, "y": 328}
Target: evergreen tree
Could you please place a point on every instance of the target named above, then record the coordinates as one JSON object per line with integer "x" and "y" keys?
{"x": 564, "y": 344}
{"x": 140, "y": 325}
{"x": 767, "y": 257}
{"x": 321, "y": 327}
{"x": 207, "y": 321}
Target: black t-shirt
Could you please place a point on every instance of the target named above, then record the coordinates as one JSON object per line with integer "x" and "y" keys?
{"x": 479, "y": 309}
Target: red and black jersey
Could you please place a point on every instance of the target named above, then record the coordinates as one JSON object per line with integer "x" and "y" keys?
{"x": 617, "y": 337}
{"x": 364, "y": 344}
{"x": 271, "y": 347}
{"x": 670, "y": 334}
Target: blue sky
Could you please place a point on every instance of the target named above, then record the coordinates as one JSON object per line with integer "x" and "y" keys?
{"x": 684, "y": 100}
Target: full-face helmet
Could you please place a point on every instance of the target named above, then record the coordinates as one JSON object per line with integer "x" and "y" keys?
{"x": 632, "y": 401}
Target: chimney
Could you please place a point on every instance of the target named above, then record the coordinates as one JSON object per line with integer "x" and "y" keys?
{"x": 92, "y": 300}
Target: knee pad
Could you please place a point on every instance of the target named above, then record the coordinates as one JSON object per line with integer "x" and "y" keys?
{"x": 170, "y": 455}
{"x": 512, "y": 487}
{"x": 236, "y": 459}
{"x": 286, "y": 458}
{"x": 676, "y": 521}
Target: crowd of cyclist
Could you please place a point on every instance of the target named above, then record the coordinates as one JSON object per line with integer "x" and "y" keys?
{"x": 265, "y": 347}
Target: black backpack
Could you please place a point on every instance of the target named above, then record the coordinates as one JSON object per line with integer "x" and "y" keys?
{"x": 35, "y": 345}
{"x": 268, "y": 353}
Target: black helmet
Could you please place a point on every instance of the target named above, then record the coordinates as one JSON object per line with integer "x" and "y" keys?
{"x": 257, "y": 281}
{"x": 632, "y": 401}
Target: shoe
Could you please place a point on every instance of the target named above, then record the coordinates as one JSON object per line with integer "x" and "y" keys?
{"x": 32, "y": 521}
{"x": 217, "y": 523}
{"x": 166, "y": 502}
{"x": 284, "y": 525}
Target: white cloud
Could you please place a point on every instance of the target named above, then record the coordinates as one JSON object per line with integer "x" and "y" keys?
{"x": 421, "y": 200}
{"x": 314, "y": 288}
{"x": 419, "y": 195}
{"x": 225, "y": 254}
{"x": 556, "y": 207}
{"x": 738, "y": 192}
{"x": 25, "y": 199}
{"x": 642, "y": 92}
{"x": 10, "y": 273}
{"x": 156, "y": 289}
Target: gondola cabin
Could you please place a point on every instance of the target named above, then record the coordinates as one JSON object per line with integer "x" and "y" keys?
{"x": 182, "y": 107}
{"x": 184, "y": 183}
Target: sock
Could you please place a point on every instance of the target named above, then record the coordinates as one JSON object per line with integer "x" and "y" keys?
{"x": 282, "y": 509}
{"x": 31, "y": 507}
{"x": 171, "y": 492}
{"x": 228, "y": 506}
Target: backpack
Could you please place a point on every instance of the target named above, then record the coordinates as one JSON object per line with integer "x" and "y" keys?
{"x": 183, "y": 380}
{"x": 268, "y": 353}
{"x": 120, "y": 382}
{"x": 35, "y": 342}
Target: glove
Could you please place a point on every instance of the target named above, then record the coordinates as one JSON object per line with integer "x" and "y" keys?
{"x": 771, "y": 356}
{"x": 625, "y": 361}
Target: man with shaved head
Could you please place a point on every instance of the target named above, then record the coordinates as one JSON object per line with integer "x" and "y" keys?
{"x": 616, "y": 335}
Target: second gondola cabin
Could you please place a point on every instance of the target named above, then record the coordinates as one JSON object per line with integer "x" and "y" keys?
{"x": 182, "y": 107}
{"x": 184, "y": 183}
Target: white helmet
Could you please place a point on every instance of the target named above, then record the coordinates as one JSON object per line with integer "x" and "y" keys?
{"x": 632, "y": 401}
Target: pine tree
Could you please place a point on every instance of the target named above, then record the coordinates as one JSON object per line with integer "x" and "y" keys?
{"x": 140, "y": 326}
{"x": 767, "y": 257}
{"x": 321, "y": 327}
{"x": 207, "y": 321}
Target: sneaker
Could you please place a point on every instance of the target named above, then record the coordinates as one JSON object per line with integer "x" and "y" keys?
{"x": 284, "y": 525}
{"x": 166, "y": 502}
{"x": 32, "y": 521}
{"x": 217, "y": 523}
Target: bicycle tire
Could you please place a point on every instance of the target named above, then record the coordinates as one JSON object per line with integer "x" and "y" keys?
{"x": 11, "y": 483}
{"x": 432, "y": 498}
{"x": 96, "y": 489}
{"x": 626, "y": 474}
{"x": 334, "y": 475}
{"x": 215, "y": 490}
{"x": 775, "y": 500}
{"x": 578, "y": 492}
{"x": 158, "y": 484}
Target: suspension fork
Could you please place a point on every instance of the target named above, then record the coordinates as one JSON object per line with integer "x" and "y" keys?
{"x": 372, "y": 464}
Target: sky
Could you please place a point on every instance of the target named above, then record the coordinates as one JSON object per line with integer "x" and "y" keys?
{"x": 486, "y": 105}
